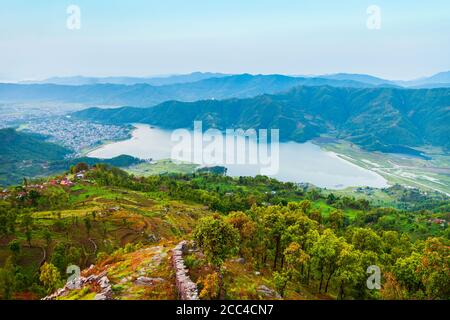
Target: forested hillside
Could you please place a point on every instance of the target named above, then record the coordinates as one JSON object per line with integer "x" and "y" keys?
{"x": 27, "y": 155}
{"x": 384, "y": 119}
{"x": 248, "y": 238}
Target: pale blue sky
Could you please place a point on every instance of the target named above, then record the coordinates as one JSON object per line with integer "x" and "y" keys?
{"x": 148, "y": 37}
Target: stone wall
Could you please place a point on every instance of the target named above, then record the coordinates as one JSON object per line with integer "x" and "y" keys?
{"x": 187, "y": 290}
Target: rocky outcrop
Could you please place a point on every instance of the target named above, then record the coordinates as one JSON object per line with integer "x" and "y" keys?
{"x": 147, "y": 281}
{"x": 100, "y": 282}
{"x": 267, "y": 292}
{"x": 187, "y": 290}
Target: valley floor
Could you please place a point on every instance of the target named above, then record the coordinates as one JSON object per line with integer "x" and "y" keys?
{"x": 433, "y": 174}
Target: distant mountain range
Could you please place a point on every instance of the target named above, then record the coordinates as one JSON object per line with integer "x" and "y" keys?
{"x": 441, "y": 79}
{"x": 146, "y": 92}
{"x": 384, "y": 119}
{"x": 363, "y": 78}
{"x": 144, "y": 95}
{"x": 154, "y": 81}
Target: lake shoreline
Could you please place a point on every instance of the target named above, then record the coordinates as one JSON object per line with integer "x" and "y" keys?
{"x": 299, "y": 163}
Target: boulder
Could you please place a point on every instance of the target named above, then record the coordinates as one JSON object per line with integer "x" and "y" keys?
{"x": 147, "y": 281}
{"x": 267, "y": 292}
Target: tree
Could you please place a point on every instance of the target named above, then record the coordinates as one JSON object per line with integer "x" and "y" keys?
{"x": 79, "y": 167}
{"x": 29, "y": 236}
{"x": 331, "y": 198}
{"x": 434, "y": 268}
{"x": 27, "y": 223}
{"x": 296, "y": 259}
{"x": 405, "y": 271}
{"x": 299, "y": 228}
{"x": 274, "y": 225}
{"x": 315, "y": 215}
{"x": 366, "y": 239}
{"x": 246, "y": 227}
{"x": 48, "y": 237}
{"x": 210, "y": 286}
{"x": 15, "y": 248}
{"x": 325, "y": 253}
{"x": 59, "y": 257}
{"x": 218, "y": 240}
{"x": 336, "y": 219}
{"x": 349, "y": 269}
{"x": 50, "y": 277}
{"x": 305, "y": 206}
{"x": 281, "y": 280}
{"x": 391, "y": 289}
{"x": 8, "y": 217}
{"x": 88, "y": 225}
{"x": 7, "y": 279}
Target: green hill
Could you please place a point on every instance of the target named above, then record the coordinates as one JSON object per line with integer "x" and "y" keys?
{"x": 29, "y": 155}
{"x": 384, "y": 119}
{"x": 17, "y": 146}
{"x": 264, "y": 238}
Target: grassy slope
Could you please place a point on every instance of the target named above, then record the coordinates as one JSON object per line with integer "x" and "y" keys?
{"x": 126, "y": 217}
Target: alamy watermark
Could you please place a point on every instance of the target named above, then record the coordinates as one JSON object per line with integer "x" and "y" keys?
{"x": 74, "y": 274}
{"x": 236, "y": 146}
{"x": 374, "y": 280}
{"x": 73, "y": 21}
{"x": 373, "y": 21}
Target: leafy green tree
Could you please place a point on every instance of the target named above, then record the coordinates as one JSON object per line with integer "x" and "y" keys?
{"x": 366, "y": 239}
{"x": 88, "y": 225}
{"x": 274, "y": 224}
{"x": 8, "y": 218}
{"x": 50, "y": 277}
{"x": 336, "y": 219}
{"x": 281, "y": 280}
{"x": 217, "y": 239}
{"x": 7, "y": 279}
{"x": 296, "y": 259}
{"x": 59, "y": 257}
{"x": 406, "y": 272}
{"x": 27, "y": 221}
{"x": 81, "y": 166}
{"x": 315, "y": 215}
{"x": 349, "y": 269}
{"x": 29, "y": 236}
{"x": 325, "y": 253}
{"x": 434, "y": 268}
{"x": 48, "y": 237}
{"x": 15, "y": 248}
{"x": 331, "y": 198}
{"x": 246, "y": 227}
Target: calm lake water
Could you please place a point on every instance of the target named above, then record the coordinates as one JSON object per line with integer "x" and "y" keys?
{"x": 298, "y": 162}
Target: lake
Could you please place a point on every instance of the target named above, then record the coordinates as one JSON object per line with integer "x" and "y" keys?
{"x": 298, "y": 162}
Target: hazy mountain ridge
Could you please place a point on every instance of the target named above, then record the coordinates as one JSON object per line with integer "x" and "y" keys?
{"x": 441, "y": 79}
{"x": 123, "y": 80}
{"x": 188, "y": 88}
{"x": 144, "y": 95}
{"x": 384, "y": 119}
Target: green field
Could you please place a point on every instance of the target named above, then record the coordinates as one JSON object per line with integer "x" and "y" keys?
{"x": 433, "y": 174}
{"x": 161, "y": 167}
